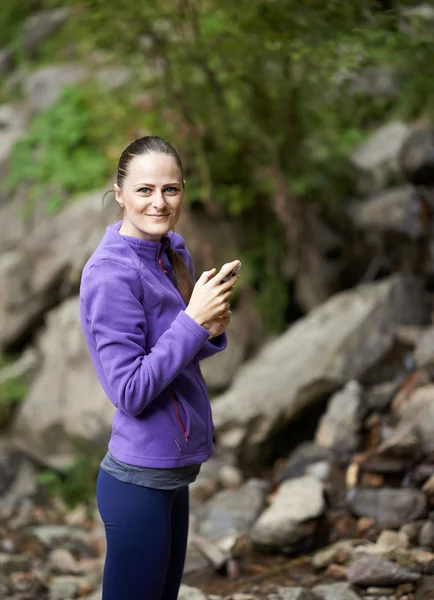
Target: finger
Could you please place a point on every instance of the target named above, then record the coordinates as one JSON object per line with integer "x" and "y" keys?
{"x": 207, "y": 275}
{"x": 225, "y": 270}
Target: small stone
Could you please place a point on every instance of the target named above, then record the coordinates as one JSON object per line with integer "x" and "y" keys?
{"x": 336, "y": 591}
{"x": 61, "y": 561}
{"x": 327, "y": 556}
{"x": 293, "y": 593}
{"x": 336, "y": 571}
{"x": 78, "y": 516}
{"x": 404, "y": 588}
{"x": 412, "y": 530}
{"x": 11, "y": 563}
{"x": 187, "y": 592}
{"x": 380, "y": 591}
{"x": 378, "y": 571}
{"x": 426, "y": 536}
{"x": 64, "y": 588}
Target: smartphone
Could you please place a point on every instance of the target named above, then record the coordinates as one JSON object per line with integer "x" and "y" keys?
{"x": 231, "y": 274}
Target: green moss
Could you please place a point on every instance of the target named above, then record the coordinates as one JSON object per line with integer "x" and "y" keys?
{"x": 12, "y": 393}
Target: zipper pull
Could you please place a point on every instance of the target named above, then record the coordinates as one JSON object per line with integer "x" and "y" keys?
{"x": 160, "y": 262}
{"x": 179, "y": 447}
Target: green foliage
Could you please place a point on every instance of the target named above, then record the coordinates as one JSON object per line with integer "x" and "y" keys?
{"x": 12, "y": 15}
{"x": 75, "y": 485}
{"x": 12, "y": 392}
{"x": 67, "y": 147}
{"x": 257, "y": 95}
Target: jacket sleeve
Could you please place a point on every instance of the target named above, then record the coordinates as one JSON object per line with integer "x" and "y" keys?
{"x": 218, "y": 343}
{"x": 111, "y": 294}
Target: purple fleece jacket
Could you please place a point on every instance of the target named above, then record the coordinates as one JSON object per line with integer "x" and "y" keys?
{"x": 146, "y": 351}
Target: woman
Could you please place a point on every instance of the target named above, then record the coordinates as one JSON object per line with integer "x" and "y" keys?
{"x": 147, "y": 327}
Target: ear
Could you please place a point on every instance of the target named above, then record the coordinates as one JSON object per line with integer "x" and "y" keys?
{"x": 117, "y": 193}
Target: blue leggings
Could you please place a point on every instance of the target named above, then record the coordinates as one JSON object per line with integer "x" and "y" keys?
{"x": 146, "y": 531}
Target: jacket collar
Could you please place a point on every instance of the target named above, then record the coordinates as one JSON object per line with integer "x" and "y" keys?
{"x": 145, "y": 249}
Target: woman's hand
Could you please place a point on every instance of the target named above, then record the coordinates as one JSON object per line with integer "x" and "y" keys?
{"x": 218, "y": 326}
{"x": 210, "y": 298}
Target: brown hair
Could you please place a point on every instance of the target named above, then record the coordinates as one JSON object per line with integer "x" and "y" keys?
{"x": 147, "y": 145}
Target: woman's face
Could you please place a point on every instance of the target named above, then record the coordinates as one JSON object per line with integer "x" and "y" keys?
{"x": 152, "y": 195}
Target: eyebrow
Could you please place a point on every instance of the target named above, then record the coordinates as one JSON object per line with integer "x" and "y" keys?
{"x": 151, "y": 185}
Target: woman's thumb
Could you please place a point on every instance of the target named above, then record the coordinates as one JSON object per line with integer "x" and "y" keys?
{"x": 206, "y": 275}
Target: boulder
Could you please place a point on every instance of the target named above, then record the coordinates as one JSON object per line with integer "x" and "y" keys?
{"x": 42, "y": 25}
{"x": 46, "y": 266}
{"x": 383, "y": 212}
{"x": 66, "y": 407}
{"x": 339, "y": 427}
{"x": 289, "y": 520}
{"x": 336, "y": 342}
{"x": 13, "y": 123}
{"x": 44, "y": 86}
{"x": 416, "y": 157}
{"x": 230, "y": 514}
{"x": 376, "y": 159}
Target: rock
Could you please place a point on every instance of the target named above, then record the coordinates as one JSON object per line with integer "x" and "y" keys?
{"x": 416, "y": 417}
{"x": 206, "y": 483}
{"x": 379, "y": 396}
{"x": 304, "y": 460}
{"x": 377, "y": 570}
{"x": 384, "y": 212}
{"x": 231, "y": 513}
{"x": 47, "y": 265}
{"x": 374, "y": 82}
{"x": 424, "y": 351}
{"x": 335, "y": 591}
{"x": 230, "y": 477}
{"x": 13, "y": 123}
{"x": 390, "y": 507}
{"x": 339, "y": 427}
{"x": 388, "y": 541}
{"x": 292, "y": 593}
{"x": 326, "y": 556}
{"x": 6, "y": 61}
{"x": 412, "y": 531}
{"x": 424, "y": 12}
{"x": 190, "y": 593}
{"x": 336, "y": 342}
{"x": 57, "y": 413}
{"x": 416, "y": 157}
{"x": 219, "y": 370}
{"x": 41, "y": 26}
{"x": 289, "y": 517}
{"x": 49, "y": 535}
{"x": 95, "y": 596}
{"x": 44, "y": 86}
{"x": 61, "y": 561}
{"x": 377, "y": 158}
{"x": 11, "y": 563}
{"x": 17, "y": 480}
{"x": 64, "y": 588}
{"x": 426, "y": 536}
{"x": 380, "y": 591}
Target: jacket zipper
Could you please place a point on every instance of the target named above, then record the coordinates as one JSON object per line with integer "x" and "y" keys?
{"x": 175, "y": 404}
{"x": 160, "y": 264}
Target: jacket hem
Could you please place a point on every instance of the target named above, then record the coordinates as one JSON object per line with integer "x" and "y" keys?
{"x": 162, "y": 463}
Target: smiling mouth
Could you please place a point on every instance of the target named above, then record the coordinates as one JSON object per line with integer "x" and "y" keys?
{"x": 158, "y": 216}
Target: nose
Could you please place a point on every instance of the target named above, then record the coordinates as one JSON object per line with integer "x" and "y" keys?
{"x": 158, "y": 200}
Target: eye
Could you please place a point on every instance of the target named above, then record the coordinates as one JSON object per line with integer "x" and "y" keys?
{"x": 145, "y": 190}
{"x": 171, "y": 190}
